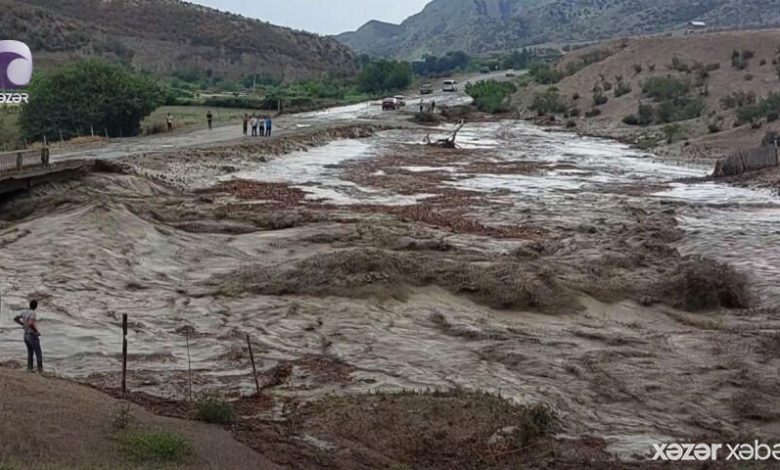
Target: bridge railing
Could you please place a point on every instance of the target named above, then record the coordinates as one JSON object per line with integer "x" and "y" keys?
{"x": 23, "y": 159}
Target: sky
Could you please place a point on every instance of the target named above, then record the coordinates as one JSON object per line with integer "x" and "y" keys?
{"x": 321, "y": 16}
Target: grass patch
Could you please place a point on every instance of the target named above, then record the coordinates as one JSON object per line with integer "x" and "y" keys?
{"x": 213, "y": 410}
{"x": 155, "y": 446}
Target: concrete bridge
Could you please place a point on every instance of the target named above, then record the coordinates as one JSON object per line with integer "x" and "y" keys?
{"x": 25, "y": 169}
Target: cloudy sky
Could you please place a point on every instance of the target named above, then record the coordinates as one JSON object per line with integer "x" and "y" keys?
{"x": 321, "y": 16}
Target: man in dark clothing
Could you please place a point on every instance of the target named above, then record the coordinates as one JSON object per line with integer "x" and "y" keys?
{"x": 246, "y": 122}
{"x": 209, "y": 118}
{"x": 28, "y": 320}
{"x": 268, "y": 126}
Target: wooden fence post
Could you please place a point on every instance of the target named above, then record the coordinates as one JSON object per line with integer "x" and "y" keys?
{"x": 254, "y": 368}
{"x": 124, "y": 353}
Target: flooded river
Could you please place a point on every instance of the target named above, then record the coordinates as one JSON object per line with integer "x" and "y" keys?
{"x": 96, "y": 259}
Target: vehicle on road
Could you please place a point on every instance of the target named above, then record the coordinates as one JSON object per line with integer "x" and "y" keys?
{"x": 449, "y": 86}
{"x": 400, "y": 100}
{"x": 484, "y": 70}
{"x": 389, "y": 104}
{"x": 426, "y": 89}
{"x": 511, "y": 73}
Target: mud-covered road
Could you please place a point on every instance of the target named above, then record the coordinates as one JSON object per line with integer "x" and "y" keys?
{"x": 540, "y": 265}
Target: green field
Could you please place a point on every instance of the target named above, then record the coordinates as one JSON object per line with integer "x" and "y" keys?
{"x": 190, "y": 116}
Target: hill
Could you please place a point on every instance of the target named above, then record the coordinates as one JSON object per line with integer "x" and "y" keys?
{"x": 703, "y": 61}
{"x": 167, "y": 36}
{"x": 478, "y": 26}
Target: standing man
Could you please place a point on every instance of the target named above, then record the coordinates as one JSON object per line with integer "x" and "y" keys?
{"x": 246, "y": 122}
{"x": 268, "y": 126}
{"x": 169, "y": 121}
{"x": 253, "y": 123}
{"x": 209, "y": 118}
{"x": 28, "y": 321}
{"x": 262, "y": 125}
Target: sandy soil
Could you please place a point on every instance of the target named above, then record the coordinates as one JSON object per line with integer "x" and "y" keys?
{"x": 50, "y": 423}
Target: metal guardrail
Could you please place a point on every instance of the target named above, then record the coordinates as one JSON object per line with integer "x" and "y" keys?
{"x": 19, "y": 160}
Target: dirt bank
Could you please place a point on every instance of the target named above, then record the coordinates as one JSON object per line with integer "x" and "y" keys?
{"x": 50, "y": 423}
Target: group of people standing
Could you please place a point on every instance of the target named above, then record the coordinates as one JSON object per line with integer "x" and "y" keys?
{"x": 261, "y": 126}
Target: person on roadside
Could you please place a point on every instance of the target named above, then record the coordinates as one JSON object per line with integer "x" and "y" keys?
{"x": 268, "y": 126}
{"x": 246, "y": 123}
{"x": 169, "y": 122}
{"x": 261, "y": 126}
{"x": 433, "y": 106}
{"x": 421, "y": 105}
{"x": 29, "y": 322}
{"x": 209, "y": 118}
{"x": 253, "y": 123}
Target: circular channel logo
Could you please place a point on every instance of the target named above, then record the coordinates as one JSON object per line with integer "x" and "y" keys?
{"x": 16, "y": 65}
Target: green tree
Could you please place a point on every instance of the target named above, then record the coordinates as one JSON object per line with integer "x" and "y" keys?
{"x": 384, "y": 75}
{"x": 92, "y": 93}
{"x": 491, "y": 96}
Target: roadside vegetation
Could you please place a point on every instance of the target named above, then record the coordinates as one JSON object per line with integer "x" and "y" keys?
{"x": 491, "y": 96}
{"x": 155, "y": 447}
{"x": 88, "y": 96}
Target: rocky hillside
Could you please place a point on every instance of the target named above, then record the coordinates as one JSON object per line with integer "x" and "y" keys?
{"x": 165, "y": 36}
{"x": 706, "y": 62}
{"x": 478, "y": 26}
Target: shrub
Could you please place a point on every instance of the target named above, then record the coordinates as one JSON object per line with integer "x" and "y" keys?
{"x": 665, "y": 88}
{"x": 548, "y": 102}
{"x": 770, "y": 137}
{"x": 740, "y": 60}
{"x": 703, "y": 284}
{"x": 599, "y": 98}
{"x": 645, "y": 114}
{"x": 679, "y": 65}
{"x": 713, "y": 127}
{"x": 637, "y": 69}
{"x": 680, "y": 109}
{"x": 631, "y": 120}
{"x": 155, "y": 446}
{"x": 671, "y": 131}
{"x": 491, "y": 96}
{"x": 750, "y": 114}
{"x": 593, "y": 113}
{"x": 748, "y": 77}
{"x": 575, "y": 96}
{"x": 762, "y": 62}
{"x": 214, "y": 411}
{"x": 571, "y": 123}
{"x": 539, "y": 421}
{"x": 651, "y": 67}
{"x": 737, "y": 99}
{"x": 426, "y": 117}
{"x": 772, "y": 116}
{"x": 544, "y": 74}
{"x": 622, "y": 88}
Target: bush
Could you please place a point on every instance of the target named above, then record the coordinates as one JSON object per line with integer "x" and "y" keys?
{"x": 665, "y": 88}
{"x": 622, "y": 88}
{"x": 645, "y": 115}
{"x": 770, "y": 137}
{"x": 575, "y": 96}
{"x": 737, "y": 99}
{"x": 702, "y": 284}
{"x": 155, "y": 446}
{"x": 548, "y": 102}
{"x": 88, "y": 94}
{"x": 740, "y": 60}
{"x": 750, "y": 114}
{"x": 571, "y": 123}
{"x": 214, "y": 411}
{"x": 631, "y": 120}
{"x": 713, "y": 127}
{"x": 680, "y": 109}
{"x": 748, "y": 77}
{"x": 599, "y": 98}
{"x": 544, "y": 74}
{"x": 427, "y": 118}
{"x": 491, "y": 96}
{"x": 679, "y": 65}
{"x": 671, "y": 131}
{"x": 637, "y": 69}
{"x": 593, "y": 113}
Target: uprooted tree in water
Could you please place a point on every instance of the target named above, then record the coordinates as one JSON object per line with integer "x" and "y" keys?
{"x": 448, "y": 142}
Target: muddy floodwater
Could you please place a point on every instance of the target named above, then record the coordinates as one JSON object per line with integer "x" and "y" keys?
{"x": 590, "y": 213}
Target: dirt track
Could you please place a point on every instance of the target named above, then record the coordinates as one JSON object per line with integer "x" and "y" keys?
{"x": 542, "y": 267}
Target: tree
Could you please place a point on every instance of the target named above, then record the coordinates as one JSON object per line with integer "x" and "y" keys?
{"x": 93, "y": 93}
{"x": 384, "y": 75}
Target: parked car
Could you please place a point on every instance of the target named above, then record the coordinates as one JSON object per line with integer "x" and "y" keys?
{"x": 484, "y": 70}
{"x": 389, "y": 104}
{"x": 449, "y": 86}
{"x": 426, "y": 89}
{"x": 511, "y": 73}
{"x": 400, "y": 100}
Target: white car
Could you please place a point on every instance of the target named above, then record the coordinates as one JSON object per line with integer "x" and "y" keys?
{"x": 449, "y": 86}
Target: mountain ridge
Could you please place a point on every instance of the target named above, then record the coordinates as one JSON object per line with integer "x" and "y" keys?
{"x": 166, "y": 36}
{"x": 480, "y": 26}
